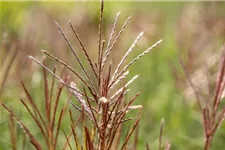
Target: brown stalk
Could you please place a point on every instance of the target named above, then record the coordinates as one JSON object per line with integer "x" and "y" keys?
{"x": 127, "y": 106}
{"x": 219, "y": 84}
{"x": 58, "y": 126}
{"x": 75, "y": 54}
{"x": 207, "y": 143}
{"x": 117, "y": 138}
{"x": 84, "y": 50}
{"x": 46, "y": 92}
{"x": 118, "y": 111}
{"x": 206, "y": 128}
{"x": 120, "y": 117}
{"x": 47, "y": 131}
{"x": 80, "y": 110}
{"x": 192, "y": 85}
{"x": 122, "y": 121}
{"x": 30, "y": 99}
{"x": 104, "y": 123}
{"x": 36, "y": 121}
{"x": 67, "y": 139}
{"x": 51, "y": 91}
{"x": 59, "y": 91}
{"x": 100, "y": 67}
{"x": 100, "y": 31}
{"x": 73, "y": 124}
{"x": 206, "y": 120}
{"x": 95, "y": 97}
{"x": 75, "y": 138}
{"x": 34, "y": 106}
{"x": 117, "y": 103}
{"x": 220, "y": 120}
{"x": 105, "y": 90}
{"x": 71, "y": 133}
{"x": 89, "y": 143}
{"x": 215, "y": 127}
{"x": 105, "y": 108}
{"x": 49, "y": 108}
{"x": 67, "y": 66}
{"x": 213, "y": 120}
{"x": 57, "y": 77}
{"x": 128, "y": 137}
{"x": 32, "y": 139}
{"x": 93, "y": 116}
{"x": 71, "y": 116}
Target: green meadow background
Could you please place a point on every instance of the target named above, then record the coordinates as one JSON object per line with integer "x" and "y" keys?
{"x": 191, "y": 31}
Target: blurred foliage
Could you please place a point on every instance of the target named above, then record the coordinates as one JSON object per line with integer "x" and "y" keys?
{"x": 193, "y": 31}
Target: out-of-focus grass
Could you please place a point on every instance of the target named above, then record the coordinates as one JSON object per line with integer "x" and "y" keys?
{"x": 30, "y": 25}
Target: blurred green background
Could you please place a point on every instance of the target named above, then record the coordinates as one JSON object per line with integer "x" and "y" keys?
{"x": 191, "y": 31}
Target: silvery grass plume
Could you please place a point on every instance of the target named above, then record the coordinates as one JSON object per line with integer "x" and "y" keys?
{"x": 104, "y": 107}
